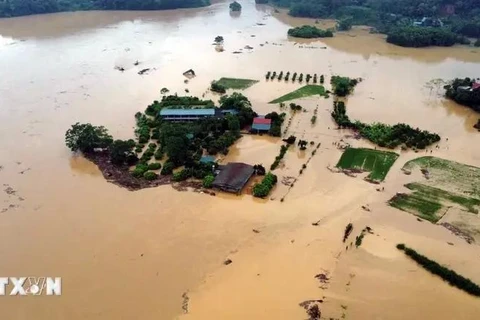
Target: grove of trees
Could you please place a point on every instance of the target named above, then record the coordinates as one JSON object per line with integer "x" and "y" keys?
{"x": 423, "y": 37}
{"x": 12, "y": 8}
{"x": 309, "y": 32}
{"x": 468, "y": 97}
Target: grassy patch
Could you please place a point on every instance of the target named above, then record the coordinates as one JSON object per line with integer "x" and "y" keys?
{"x": 305, "y": 91}
{"x": 427, "y": 201}
{"x": 235, "y": 83}
{"x": 378, "y": 163}
{"x": 419, "y": 206}
{"x": 448, "y": 275}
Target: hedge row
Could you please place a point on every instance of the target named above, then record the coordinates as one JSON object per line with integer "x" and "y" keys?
{"x": 446, "y": 274}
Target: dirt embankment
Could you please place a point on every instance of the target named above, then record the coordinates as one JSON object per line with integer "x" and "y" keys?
{"x": 121, "y": 176}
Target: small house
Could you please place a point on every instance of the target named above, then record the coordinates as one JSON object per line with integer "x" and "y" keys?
{"x": 233, "y": 176}
{"x": 261, "y": 124}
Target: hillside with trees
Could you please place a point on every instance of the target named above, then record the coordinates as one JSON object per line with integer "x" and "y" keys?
{"x": 13, "y": 8}
{"x": 461, "y": 17}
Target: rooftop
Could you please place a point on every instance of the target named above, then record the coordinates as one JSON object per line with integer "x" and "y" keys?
{"x": 261, "y": 126}
{"x": 233, "y": 176}
{"x": 187, "y": 112}
{"x": 261, "y": 120}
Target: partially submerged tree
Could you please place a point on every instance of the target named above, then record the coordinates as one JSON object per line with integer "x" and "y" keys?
{"x": 86, "y": 137}
{"x": 235, "y": 6}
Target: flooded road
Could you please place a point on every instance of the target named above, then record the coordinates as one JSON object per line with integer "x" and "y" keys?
{"x": 131, "y": 255}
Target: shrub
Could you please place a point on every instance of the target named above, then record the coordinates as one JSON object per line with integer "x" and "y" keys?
{"x": 149, "y": 175}
{"x": 182, "y": 175}
{"x": 477, "y": 43}
{"x": 262, "y": 189}
{"x": 208, "y": 181}
{"x": 167, "y": 168}
{"x": 139, "y": 170}
{"x": 154, "y": 166}
{"x": 283, "y": 150}
{"x": 216, "y": 87}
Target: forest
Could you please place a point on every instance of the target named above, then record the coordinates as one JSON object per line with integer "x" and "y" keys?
{"x": 423, "y": 37}
{"x": 13, "y": 8}
{"x": 458, "y": 16}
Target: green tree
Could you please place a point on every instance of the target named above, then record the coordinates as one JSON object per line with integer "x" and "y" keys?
{"x": 176, "y": 148}
{"x": 235, "y": 6}
{"x": 86, "y": 137}
{"x": 208, "y": 181}
{"x": 233, "y": 123}
{"x": 121, "y": 152}
{"x": 345, "y": 24}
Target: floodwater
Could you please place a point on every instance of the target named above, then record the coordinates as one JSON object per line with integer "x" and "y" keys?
{"x": 132, "y": 255}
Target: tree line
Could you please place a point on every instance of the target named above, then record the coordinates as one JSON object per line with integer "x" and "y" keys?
{"x": 461, "y": 17}
{"x": 385, "y": 135}
{"x": 294, "y": 76}
{"x": 12, "y": 8}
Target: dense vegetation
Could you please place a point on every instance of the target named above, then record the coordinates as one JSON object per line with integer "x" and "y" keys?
{"x": 183, "y": 143}
{"x": 467, "y": 97}
{"x": 262, "y": 189}
{"x": 448, "y": 275}
{"x": 342, "y": 86}
{"x": 12, "y": 8}
{"x": 309, "y": 32}
{"x": 423, "y": 37}
{"x": 385, "y": 135}
{"x": 277, "y": 121}
{"x": 459, "y": 16}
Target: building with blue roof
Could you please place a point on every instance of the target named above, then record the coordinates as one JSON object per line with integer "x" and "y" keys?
{"x": 186, "y": 114}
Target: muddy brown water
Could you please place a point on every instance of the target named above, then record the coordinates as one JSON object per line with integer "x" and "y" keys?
{"x": 131, "y": 255}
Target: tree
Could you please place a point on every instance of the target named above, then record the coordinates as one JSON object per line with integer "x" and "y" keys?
{"x": 86, "y": 137}
{"x": 344, "y": 24}
{"x": 477, "y": 43}
{"x": 235, "y": 6}
{"x": 233, "y": 123}
{"x": 121, "y": 152}
{"x": 309, "y": 32}
{"x": 176, "y": 148}
{"x": 218, "y": 39}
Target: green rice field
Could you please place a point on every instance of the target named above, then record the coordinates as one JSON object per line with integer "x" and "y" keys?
{"x": 378, "y": 163}
{"x": 305, "y": 91}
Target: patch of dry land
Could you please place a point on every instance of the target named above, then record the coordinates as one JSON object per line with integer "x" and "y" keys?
{"x": 158, "y": 253}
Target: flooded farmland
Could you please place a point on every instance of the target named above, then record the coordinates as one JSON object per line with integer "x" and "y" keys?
{"x": 158, "y": 253}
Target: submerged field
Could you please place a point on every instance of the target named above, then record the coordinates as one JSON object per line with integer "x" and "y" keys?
{"x": 448, "y": 175}
{"x": 305, "y": 91}
{"x": 236, "y": 83}
{"x": 378, "y": 163}
{"x": 447, "y": 185}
